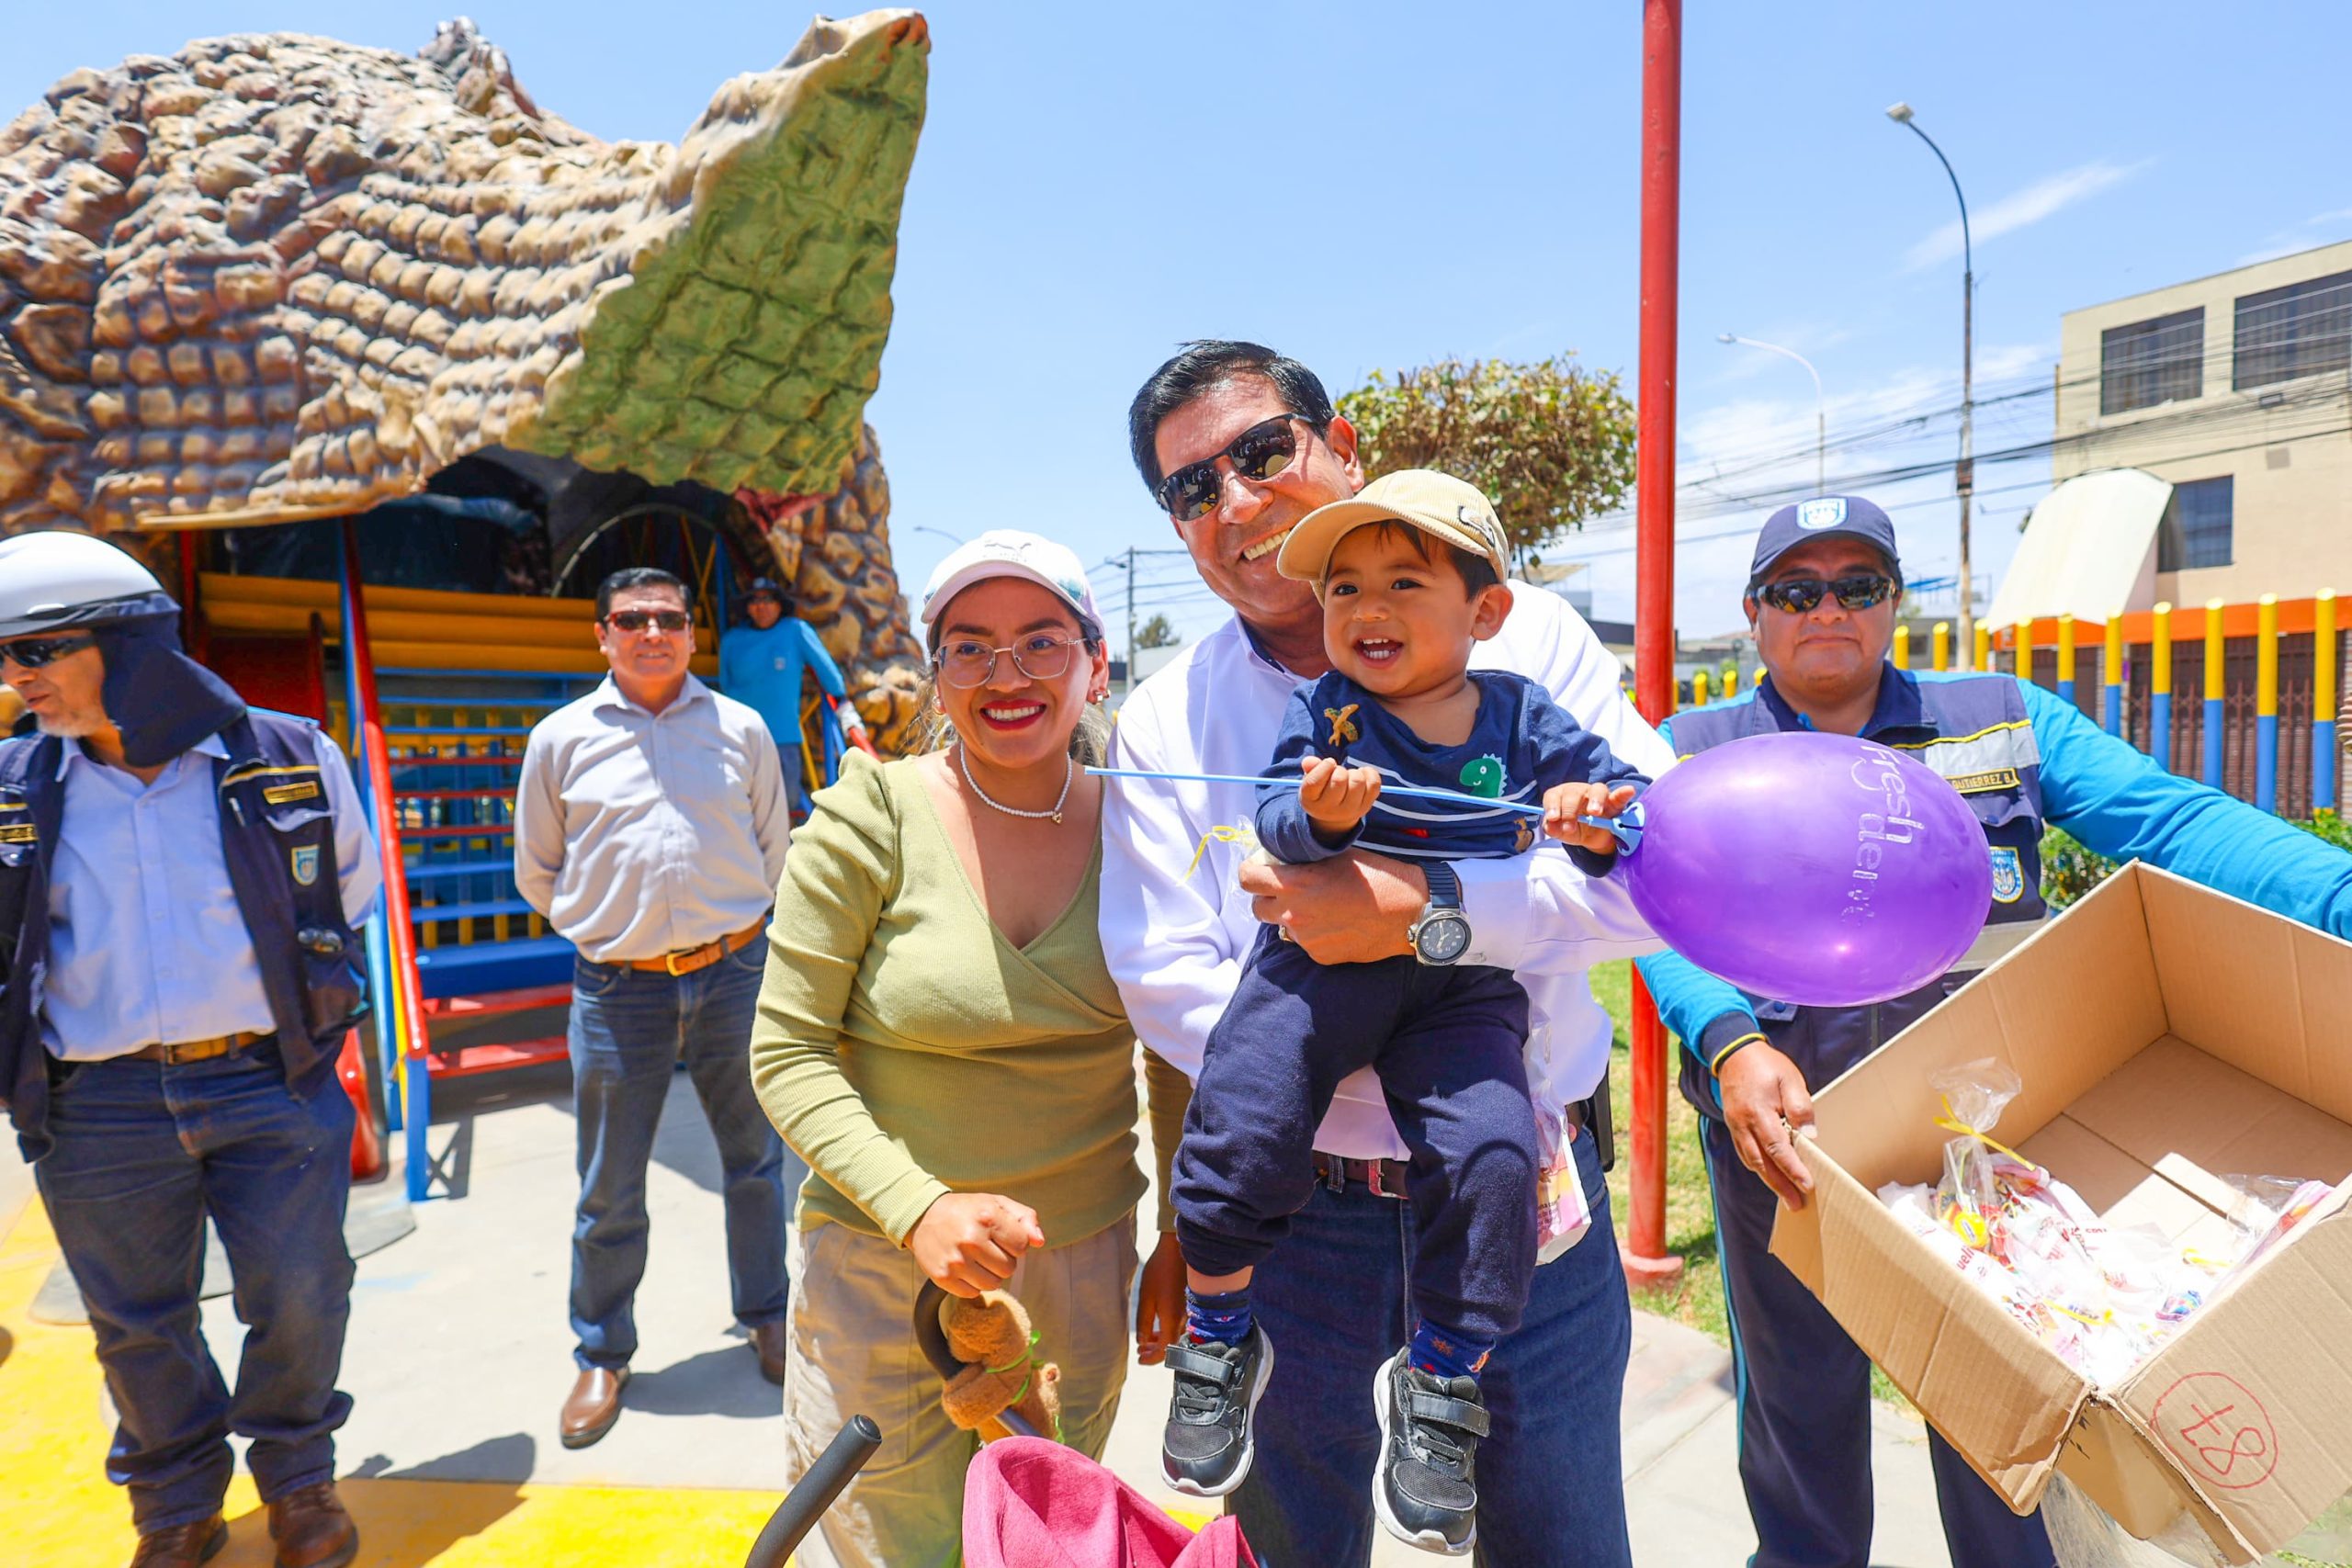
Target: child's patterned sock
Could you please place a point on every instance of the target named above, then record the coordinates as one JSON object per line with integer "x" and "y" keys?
{"x": 1441, "y": 1352}
{"x": 1223, "y": 1316}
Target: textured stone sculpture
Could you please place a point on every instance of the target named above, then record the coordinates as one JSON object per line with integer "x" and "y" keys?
{"x": 278, "y": 276}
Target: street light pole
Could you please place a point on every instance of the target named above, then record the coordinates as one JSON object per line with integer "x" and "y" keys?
{"x": 1820, "y": 407}
{"x": 1966, "y": 475}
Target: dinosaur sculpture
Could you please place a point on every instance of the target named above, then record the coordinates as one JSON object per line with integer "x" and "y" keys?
{"x": 275, "y": 277}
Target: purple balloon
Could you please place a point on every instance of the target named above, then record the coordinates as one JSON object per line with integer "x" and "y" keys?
{"x": 1823, "y": 870}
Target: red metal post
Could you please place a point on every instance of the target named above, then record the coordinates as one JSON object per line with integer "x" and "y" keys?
{"x": 1646, "y": 1261}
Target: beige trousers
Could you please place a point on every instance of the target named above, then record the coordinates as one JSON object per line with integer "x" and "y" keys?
{"x": 854, "y": 1354}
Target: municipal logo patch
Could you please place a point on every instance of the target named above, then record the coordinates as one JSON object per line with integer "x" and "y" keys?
{"x": 1826, "y": 512}
{"x": 305, "y": 862}
{"x": 2008, "y": 876}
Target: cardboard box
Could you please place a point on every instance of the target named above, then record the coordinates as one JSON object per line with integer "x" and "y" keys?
{"x": 2167, "y": 1036}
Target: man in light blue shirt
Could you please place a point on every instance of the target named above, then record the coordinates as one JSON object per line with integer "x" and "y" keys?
{"x": 181, "y": 881}
{"x": 762, "y": 665}
{"x": 649, "y": 826}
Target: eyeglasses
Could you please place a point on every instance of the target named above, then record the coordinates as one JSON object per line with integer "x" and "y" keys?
{"x": 638, "y": 620}
{"x": 1041, "y": 658}
{"x": 1800, "y": 595}
{"x": 33, "y": 652}
{"x": 1259, "y": 453}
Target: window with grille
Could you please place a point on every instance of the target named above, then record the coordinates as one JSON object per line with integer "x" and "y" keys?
{"x": 2159, "y": 360}
{"x": 2196, "y": 524}
{"x": 2303, "y": 329}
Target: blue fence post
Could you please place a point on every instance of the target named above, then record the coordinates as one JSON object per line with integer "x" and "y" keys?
{"x": 2216, "y": 672}
{"x": 2323, "y": 658}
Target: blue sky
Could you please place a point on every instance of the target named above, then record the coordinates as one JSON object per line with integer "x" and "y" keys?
{"x": 1371, "y": 186}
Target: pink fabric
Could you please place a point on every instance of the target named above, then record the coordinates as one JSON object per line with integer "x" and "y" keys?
{"x": 1032, "y": 1504}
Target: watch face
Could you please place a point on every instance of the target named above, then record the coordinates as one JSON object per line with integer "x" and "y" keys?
{"x": 1443, "y": 938}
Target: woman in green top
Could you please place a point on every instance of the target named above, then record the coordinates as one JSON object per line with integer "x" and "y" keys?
{"x": 939, "y": 1040}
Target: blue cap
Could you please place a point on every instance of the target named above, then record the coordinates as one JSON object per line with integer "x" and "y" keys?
{"x": 764, "y": 585}
{"x": 1824, "y": 517}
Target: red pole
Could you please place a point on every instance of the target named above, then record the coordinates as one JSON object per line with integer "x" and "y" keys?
{"x": 1646, "y": 1261}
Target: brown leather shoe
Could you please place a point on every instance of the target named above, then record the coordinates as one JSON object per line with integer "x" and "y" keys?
{"x": 593, "y": 1406}
{"x": 181, "y": 1546}
{"x": 312, "y": 1530}
{"x": 769, "y": 1340}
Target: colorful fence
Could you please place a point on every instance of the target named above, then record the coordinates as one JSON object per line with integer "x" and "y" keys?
{"x": 2242, "y": 696}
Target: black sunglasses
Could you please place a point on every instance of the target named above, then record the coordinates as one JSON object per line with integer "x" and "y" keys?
{"x": 1260, "y": 452}
{"x": 638, "y": 620}
{"x": 1799, "y": 595}
{"x": 33, "y": 652}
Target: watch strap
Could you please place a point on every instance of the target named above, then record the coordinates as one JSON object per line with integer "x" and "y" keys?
{"x": 1445, "y": 885}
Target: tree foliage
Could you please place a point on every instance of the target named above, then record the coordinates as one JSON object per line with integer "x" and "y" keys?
{"x": 1551, "y": 442}
{"x": 1157, "y": 633}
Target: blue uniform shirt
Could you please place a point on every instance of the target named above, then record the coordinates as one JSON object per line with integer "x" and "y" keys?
{"x": 147, "y": 945}
{"x": 764, "y": 668}
{"x": 2022, "y": 757}
{"x": 1521, "y": 744}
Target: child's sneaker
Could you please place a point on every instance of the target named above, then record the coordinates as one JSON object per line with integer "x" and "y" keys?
{"x": 1429, "y": 1428}
{"x": 1207, "y": 1448}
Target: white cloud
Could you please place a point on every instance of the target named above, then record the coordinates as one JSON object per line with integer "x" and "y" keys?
{"x": 2037, "y": 201}
{"x": 2320, "y": 229}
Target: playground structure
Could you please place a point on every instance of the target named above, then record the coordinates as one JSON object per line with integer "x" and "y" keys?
{"x": 384, "y": 366}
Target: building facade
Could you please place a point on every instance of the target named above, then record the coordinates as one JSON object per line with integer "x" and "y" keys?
{"x": 2237, "y": 389}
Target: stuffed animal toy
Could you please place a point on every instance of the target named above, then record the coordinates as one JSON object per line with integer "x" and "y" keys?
{"x": 991, "y": 1336}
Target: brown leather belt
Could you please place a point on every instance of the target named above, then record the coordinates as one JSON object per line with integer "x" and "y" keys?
{"x": 1385, "y": 1178}
{"x": 686, "y": 960}
{"x": 180, "y": 1052}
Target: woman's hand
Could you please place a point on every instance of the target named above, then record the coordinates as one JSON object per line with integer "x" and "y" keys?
{"x": 1159, "y": 1303}
{"x": 970, "y": 1241}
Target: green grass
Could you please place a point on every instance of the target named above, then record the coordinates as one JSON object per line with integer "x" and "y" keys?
{"x": 1696, "y": 1296}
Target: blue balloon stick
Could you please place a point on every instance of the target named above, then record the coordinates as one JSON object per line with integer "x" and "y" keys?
{"x": 1418, "y": 790}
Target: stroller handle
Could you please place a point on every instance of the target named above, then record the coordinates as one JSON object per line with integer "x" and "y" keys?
{"x": 932, "y": 1336}
{"x": 842, "y": 1458}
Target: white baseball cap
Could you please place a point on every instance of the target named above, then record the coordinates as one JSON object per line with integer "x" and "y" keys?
{"x": 1009, "y": 552}
{"x": 58, "y": 579}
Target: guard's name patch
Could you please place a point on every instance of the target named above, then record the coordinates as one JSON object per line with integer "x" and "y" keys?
{"x": 1980, "y": 783}
{"x": 18, "y": 833}
{"x": 287, "y": 793}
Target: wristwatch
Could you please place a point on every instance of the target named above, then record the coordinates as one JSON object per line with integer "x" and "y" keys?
{"x": 1443, "y": 933}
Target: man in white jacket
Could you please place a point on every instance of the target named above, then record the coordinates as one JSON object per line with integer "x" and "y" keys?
{"x": 1238, "y": 444}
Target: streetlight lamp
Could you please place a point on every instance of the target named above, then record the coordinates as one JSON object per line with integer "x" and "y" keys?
{"x": 927, "y": 528}
{"x": 1820, "y": 406}
{"x": 1964, "y": 475}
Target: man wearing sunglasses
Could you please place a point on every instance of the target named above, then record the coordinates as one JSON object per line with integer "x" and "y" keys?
{"x": 181, "y": 881}
{"x": 1822, "y": 597}
{"x": 1238, "y": 444}
{"x": 649, "y": 826}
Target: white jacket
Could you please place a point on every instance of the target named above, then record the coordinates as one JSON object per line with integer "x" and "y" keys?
{"x": 1175, "y": 942}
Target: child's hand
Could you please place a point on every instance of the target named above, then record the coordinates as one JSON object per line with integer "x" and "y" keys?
{"x": 1336, "y": 797}
{"x": 1563, "y": 804}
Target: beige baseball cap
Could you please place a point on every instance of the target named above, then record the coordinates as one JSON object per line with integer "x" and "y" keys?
{"x": 1438, "y": 504}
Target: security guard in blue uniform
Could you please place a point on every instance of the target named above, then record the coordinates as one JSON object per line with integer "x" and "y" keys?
{"x": 180, "y": 880}
{"x": 1821, "y": 599}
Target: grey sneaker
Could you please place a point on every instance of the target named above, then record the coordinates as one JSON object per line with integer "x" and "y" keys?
{"x": 1425, "y": 1489}
{"x": 1207, "y": 1448}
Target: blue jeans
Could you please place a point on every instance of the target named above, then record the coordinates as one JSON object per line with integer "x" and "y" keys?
{"x": 143, "y": 1153}
{"x": 1804, "y": 1409}
{"x": 629, "y": 1029}
{"x": 1336, "y": 1300}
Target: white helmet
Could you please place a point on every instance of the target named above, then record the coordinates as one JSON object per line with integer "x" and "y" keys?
{"x": 57, "y": 578}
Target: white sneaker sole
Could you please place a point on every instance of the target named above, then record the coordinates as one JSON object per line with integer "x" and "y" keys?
{"x": 1191, "y": 1488}
{"x": 1428, "y": 1541}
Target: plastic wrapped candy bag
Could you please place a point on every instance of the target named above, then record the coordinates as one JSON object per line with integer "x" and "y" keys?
{"x": 1969, "y": 1197}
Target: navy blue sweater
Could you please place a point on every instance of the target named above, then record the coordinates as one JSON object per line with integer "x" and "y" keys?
{"x": 1521, "y": 745}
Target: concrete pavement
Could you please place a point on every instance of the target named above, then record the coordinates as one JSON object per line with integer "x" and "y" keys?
{"x": 459, "y": 1356}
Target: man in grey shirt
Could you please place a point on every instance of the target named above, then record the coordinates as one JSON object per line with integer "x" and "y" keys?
{"x": 649, "y": 829}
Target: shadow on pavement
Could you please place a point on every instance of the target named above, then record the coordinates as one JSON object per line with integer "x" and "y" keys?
{"x": 724, "y": 1381}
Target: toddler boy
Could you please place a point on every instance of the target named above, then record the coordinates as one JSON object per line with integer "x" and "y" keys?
{"x": 1410, "y": 574}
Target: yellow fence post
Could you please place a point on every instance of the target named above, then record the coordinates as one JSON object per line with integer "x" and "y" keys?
{"x": 2265, "y": 702}
{"x": 1903, "y": 647}
{"x": 2324, "y": 657}
{"x": 2110, "y": 675}
{"x": 2160, "y": 685}
{"x": 1982, "y": 656}
{"x": 2216, "y": 671}
{"x": 1940, "y": 644}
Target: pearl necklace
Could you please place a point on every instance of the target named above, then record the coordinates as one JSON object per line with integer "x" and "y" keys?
{"x": 1069, "y": 774}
